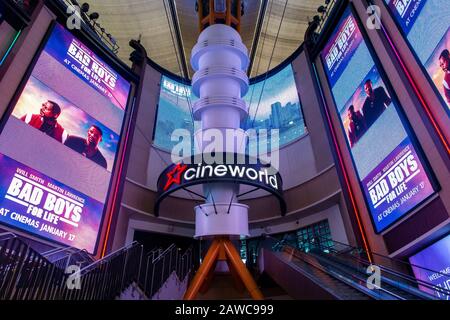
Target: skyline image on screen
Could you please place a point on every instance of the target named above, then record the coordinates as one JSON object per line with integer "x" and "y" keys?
{"x": 273, "y": 104}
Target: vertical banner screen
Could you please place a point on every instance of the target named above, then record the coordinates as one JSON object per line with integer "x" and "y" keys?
{"x": 426, "y": 25}
{"x": 391, "y": 173}
{"x": 58, "y": 147}
{"x": 174, "y": 112}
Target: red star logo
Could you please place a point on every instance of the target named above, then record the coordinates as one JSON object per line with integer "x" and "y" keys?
{"x": 175, "y": 175}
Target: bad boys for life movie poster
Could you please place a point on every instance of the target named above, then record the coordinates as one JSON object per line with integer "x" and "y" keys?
{"x": 391, "y": 173}
{"x": 40, "y": 205}
{"x": 81, "y": 61}
{"x": 426, "y": 24}
{"x": 58, "y": 147}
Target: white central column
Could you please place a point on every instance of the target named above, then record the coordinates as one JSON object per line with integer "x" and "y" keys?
{"x": 220, "y": 60}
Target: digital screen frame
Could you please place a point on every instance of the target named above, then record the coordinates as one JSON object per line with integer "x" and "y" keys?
{"x": 9, "y": 46}
{"x": 445, "y": 105}
{"x": 275, "y": 108}
{"x": 50, "y": 187}
{"x": 381, "y": 78}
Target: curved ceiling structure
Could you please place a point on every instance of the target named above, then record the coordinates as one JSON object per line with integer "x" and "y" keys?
{"x": 271, "y": 29}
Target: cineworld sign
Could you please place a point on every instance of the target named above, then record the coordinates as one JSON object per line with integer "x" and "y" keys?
{"x": 249, "y": 172}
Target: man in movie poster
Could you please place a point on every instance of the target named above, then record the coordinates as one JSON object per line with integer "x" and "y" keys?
{"x": 356, "y": 126}
{"x": 88, "y": 147}
{"x": 47, "y": 121}
{"x": 376, "y": 102}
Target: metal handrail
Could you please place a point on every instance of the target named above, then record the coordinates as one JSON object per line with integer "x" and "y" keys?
{"x": 9, "y": 235}
{"x": 66, "y": 260}
{"x": 392, "y": 282}
{"x": 350, "y": 282}
{"x": 158, "y": 268}
{"x": 109, "y": 256}
{"x": 56, "y": 250}
{"x": 407, "y": 278}
{"x": 395, "y": 272}
{"x": 161, "y": 256}
{"x": 398, "y": 274}
{"x": 387, "y": 258}
{"x": 26, "y": 274}
{"x": 297, "y": 252}
{"x": 25, "y": 271}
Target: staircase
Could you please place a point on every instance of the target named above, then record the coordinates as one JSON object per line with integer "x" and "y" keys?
{"x": 26, "y": 274}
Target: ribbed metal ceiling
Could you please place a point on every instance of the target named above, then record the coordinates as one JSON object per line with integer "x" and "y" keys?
{"x": 282, "y": 28}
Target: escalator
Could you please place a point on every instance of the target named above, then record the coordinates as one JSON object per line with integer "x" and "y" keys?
{"x": 303, "y": 280}
{"x": 396, "y": 290}
{"x": 338, "y": 271}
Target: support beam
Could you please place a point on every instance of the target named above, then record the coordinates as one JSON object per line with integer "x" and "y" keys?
{"x": 222, "y": 249}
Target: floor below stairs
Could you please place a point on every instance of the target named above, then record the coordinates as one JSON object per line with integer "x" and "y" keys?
{"x": 223, "y": 288}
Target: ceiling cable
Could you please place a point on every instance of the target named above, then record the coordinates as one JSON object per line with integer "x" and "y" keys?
{"x": 180, "y": 68}
{"x": 270, "y": 62}
{"x": 267, "y": 71}
{"x": 253, "y": 90}
{"x": 214, "y": 202}
{"x": 167, "y": 164}
{"x": 256, "y": 35}
{"x": 260, "y": 56}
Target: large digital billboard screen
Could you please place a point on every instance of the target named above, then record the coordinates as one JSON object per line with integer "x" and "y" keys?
{"x": 273, "y": 104}
{"x": 432, "y": 265}
{"x": 174, "y": 112}
{"x": 426, "y": 25}
{"x": 59, "y": 144}
{"x": 391, "y": 172}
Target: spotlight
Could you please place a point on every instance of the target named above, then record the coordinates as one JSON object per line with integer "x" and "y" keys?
{"x": 85, "y": 7}
{"x": 321, "y": 9}
{"x": 94, "y": 16}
